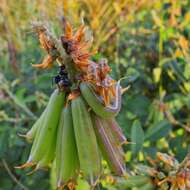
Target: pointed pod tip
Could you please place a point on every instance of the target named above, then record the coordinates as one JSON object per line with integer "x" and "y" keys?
{"x": 59, "y": 184}
{"x": 38, "y": 65}
{"x": 93, "y": 181}
{"x": 34, "y": 170}
{"x": 123, "y": 90}
{"x": 22, "y": 135}
{"x": 38, "y": 166}
{"x": 71, "y": 185}
{"x": 25, "y": 165}
{"x": 26, "y": 136}
{"x": 127, "y": 142}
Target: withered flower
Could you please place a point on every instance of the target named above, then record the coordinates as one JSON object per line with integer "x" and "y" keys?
{"x": 76, "y": 46}
{"x": 48, "y": 46}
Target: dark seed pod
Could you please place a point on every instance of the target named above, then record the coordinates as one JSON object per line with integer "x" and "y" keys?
{"x": 57, "y": 79}
{"x": 63, "y": 73}
{"x": 62, "y": 67}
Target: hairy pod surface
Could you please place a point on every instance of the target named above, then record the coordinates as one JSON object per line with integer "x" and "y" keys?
{"x": 96, "y": 102}
{"x": 110, "y": 149}
{"x": 114, "y": 141}
{"x": 47, "y": 132}
{"x": 68, "y": 163}
{"x": 48, "y": 156}
{"x": 30, "y": 135}
{"x": 58, "y": 150}
{"x": 116, "y": 130}
{"x": 89, "y": 155}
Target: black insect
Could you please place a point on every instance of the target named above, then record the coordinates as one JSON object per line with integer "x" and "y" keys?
{"x": 62, "y": 80}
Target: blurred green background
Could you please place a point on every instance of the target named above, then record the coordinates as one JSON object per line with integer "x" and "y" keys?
{"x": 148, "y": 41}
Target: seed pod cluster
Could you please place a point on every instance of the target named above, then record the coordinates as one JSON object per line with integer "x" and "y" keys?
{"x": 78, "y": 128}
{"x": 76, "y": 138}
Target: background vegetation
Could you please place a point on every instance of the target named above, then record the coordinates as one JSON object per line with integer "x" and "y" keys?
{"x": 148, "y": 41}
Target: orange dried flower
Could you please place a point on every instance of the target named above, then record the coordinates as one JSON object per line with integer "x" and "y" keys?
{"x": 44, "y": 41}
{"x": 47, "y": 45}
{"x": 76, "y": 46}
{"x": 46, "y": 63}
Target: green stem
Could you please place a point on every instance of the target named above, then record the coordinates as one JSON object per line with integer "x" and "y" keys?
{"x": 12, "y": 176}
{"x": 5, "y": 87}
{"x": 20, "y": 104}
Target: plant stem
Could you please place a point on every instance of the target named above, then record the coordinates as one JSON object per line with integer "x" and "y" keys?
{"x": 12, "y": 175}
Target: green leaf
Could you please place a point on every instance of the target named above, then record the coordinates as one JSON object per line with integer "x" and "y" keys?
{"x": 124, "y": 123}
{"x": 137, "y": 104}
{"x": 4, "y": 137}
{"x": 137, "y": 137}
{"x": 158, "y": 130}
